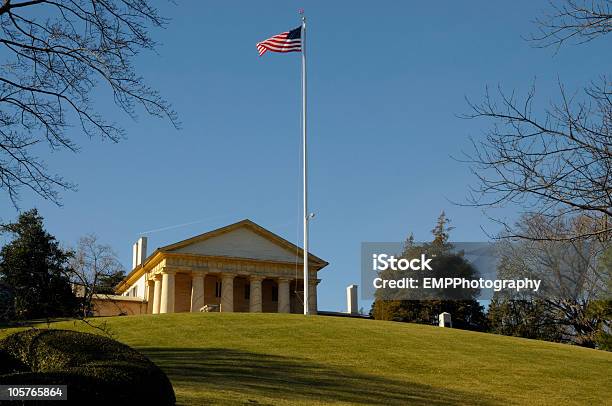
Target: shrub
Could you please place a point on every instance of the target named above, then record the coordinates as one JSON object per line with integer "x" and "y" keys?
{"x": 10, "y": 364}
{"x": 95, "y": 368}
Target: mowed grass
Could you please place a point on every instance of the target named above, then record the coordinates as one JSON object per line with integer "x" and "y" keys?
{"x": 242, "y": 358}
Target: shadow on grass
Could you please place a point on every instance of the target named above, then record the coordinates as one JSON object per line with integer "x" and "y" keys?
{"x": 32, "y": 322}
{"x": 251, "y": 375}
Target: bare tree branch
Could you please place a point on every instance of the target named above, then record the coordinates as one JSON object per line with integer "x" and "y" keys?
{"x": 571, "y": 272}
{"x": 53, "y": 65}
{"x": 90, "y": 265}
{"x": 555, "y": 165}
{"x": 558, "y": 162}
{"x": 575, "y": 20}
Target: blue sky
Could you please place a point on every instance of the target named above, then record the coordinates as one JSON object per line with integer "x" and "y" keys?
{"x": 387, "y": 81}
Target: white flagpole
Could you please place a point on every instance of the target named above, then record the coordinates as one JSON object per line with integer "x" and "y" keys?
{"x": 305, "y": 168}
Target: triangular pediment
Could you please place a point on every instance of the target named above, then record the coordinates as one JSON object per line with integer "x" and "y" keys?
{"x": 243, "y": 240}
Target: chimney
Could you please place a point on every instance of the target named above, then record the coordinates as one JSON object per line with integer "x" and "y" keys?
{"x": 351, "y": 299}
{"x": 134, "y": 255}
{"x": 142, "y": 250}
{"x": 139, "y": 252}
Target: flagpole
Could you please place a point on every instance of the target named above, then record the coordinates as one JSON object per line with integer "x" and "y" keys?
{"x": 305, "y": 169}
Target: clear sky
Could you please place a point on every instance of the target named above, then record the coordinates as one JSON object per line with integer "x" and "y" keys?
{"x": 387, "y": 80}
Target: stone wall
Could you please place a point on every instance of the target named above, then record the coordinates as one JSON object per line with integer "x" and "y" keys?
{"x": 111, "y": 305}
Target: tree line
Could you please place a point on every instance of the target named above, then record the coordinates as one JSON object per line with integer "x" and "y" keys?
{"x": 576, "y": 308}
{"x": 40, "y": 279}
{"x": 555, "y": 165}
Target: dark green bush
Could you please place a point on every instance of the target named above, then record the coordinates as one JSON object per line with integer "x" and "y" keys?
{"x": 10, "y": 364}
{"x": 95, "y": 368}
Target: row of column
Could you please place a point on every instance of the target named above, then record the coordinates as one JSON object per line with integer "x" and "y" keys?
{"x": 161, "y": 293}
{"x": 160, "y": 298}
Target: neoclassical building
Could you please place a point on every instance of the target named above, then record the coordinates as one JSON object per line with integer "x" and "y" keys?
{"x": 238, "y": 268}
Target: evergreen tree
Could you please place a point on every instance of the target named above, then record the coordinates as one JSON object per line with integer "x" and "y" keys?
{"x": 6, "y": 302}
{"x": 107, "y": 283}
{"x": 465, "y": 310}
{"x": 34, "y": 268}
{"x": 441, "y": 231}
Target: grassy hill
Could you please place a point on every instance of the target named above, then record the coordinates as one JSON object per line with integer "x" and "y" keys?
{"x": 271, "y": 359}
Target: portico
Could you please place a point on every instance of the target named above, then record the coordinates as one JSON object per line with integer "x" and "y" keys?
{"x": 239, "y": 268}
{"x": 190, "y": 291}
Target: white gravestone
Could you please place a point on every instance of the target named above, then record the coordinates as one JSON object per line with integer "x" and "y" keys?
{"x": 444, "y": 320}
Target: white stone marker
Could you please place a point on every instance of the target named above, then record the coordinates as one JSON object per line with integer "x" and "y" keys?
{"x": 444, "y": 320}
{"x": 351, "y": 299}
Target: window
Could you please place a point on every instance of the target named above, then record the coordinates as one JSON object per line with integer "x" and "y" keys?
{"x": 218, "y": 289}
{"x": 247, "y": 292}
{"x": 275, "y": 293}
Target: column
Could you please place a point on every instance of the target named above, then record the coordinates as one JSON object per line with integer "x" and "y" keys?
{"x": 312, "y": 295}
{"x": 284, "y": 302}
{"x": 150, "y": 295}
{"x": 157, "y": 293}
{"x": 197, "y": 291}
{"x": 255, "y": 295}
{"x": 167, "y": 293}
{"x": 227, "y": 292}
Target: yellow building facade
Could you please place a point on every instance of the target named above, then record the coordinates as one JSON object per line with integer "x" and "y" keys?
{"x": 242, "y": 267}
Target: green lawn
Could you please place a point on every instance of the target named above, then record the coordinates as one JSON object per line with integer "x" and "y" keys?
{"x": 245, "y": 358}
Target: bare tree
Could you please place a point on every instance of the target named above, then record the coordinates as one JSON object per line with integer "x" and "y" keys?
{"x": 92, "y": 267}
{"x": 54, "y": 54}
{"x": 573, "y": 280}
{"x": 581, "y": 21}
{"x": 557, "y": 162}
{"x": 557, "y": 165}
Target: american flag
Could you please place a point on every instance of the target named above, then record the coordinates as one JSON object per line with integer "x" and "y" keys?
{"x": 289, "y": 41}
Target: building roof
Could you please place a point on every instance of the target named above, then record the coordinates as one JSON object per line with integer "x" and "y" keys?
{"x": 317, "y": 262}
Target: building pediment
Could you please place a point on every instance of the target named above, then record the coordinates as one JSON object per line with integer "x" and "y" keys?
{"x": 238, "y": 243}
{"x": 244, "y": 239}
